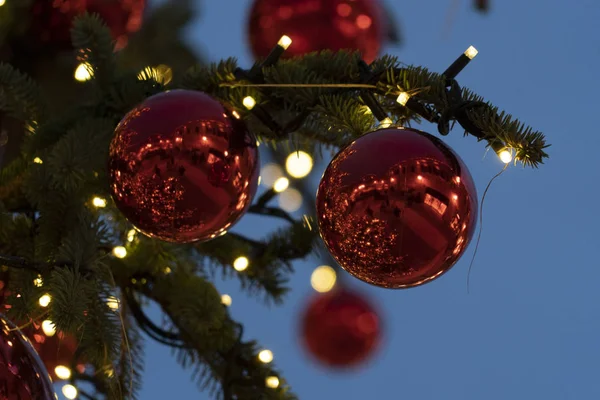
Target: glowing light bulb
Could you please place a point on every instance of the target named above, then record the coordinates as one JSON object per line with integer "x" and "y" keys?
{"x": 99, "y": 202}
{"x": 70, "y": 391}
{"x": 386, "y": 123}
{"x": 62, "y": 372}
{"x": 113, "y": 303}
{"x": 299, "y": 164}
{"x": 290, "y": 200}
{"x": 272, "y": 382}
{"x": 270, "y": 173}
{"x": 131, "y": 235}
{"x": 45, "y": 300}
{"x": 226, "y": 299}
{"x": 49, "y": 328}
{"x": 285, "y": 42}
{"x": 2, "y": 2}
{"x": 38, "y": 282}
{"x": 281, "y": 184}
{"x": 323, "y": 278}
{"x": 249, "y": 102}
{"x": 241, "y": 263}
{"x": 120, "y": 252}
{"x": 265, "y": 356}
{"x": 403, "y": 98}
{"x": 505, "y": 156}
{"x": 38, "y": 160}
{"x": 471, "y": 52}
{"x": 84, "y": 72}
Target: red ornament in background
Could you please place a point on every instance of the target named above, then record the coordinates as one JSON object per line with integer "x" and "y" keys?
{"x": 396, "y": 208}
{"x": 315, "y": 25}
{"x": 182, "y": 167}
{"x": 340, "y": 328}
{"x": 22, "y": 374}
{"x": 55, "y": 350}
{"x": 52, "y": 19}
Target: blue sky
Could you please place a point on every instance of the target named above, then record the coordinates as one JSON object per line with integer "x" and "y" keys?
{"x": 530, "y": 327}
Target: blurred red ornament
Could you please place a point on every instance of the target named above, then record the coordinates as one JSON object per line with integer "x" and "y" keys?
{"x": 397, "y": 208}
{"x": 52, "y": 19}
{"x": 55, "y": 349}
{"x": 183, "y": 168}
{"x": 22, "y": 373}
{"x": 315, "y": 25}
{"x": 340, "y": 328}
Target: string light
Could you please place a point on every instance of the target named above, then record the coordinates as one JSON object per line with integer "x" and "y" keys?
{"x": 49, "y": 328}
{"x": 99, "y": 202}
{"x": 403, "y": 98}
{"x": 290, "y": 200}
{"x": 131, "y": 235}
{"x": 281, "y": 184}
{"x": 265, "y": 356}
{"x": 505, "y": 156}
{"x": 323, "y": 278}
{"x": 83, "y": 72}
{"x": 226, "y": 300}
{"x": 113, "y": 303}
{"x": 299, "y": 164}
{"x": 285, "y": 42}
{"x": 270, "y": 173}
{"x": 241, "y": 263}
{"x": 45, "y": 300}
{"x": 2, "y": 2}
{"x": 70, "y": 391}
{"x": 167, "y": 270}
{"x": 249, "y": 102}
{"x": 120, "y": 252}
{"x": 272, "y": 382}
{"x": 38, "y": 160}
{"x": 471, "y": 52}
{"x": 62, "y": 372}
{"x": 38, "y": 282}
{"x": 386, "y": 123}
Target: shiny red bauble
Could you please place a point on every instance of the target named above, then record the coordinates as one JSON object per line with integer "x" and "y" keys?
{"x": 52, "y": 19}
{"x": 340, "y": 328}
{"x": 315, "y": 25}
{"x": 183, "y": 167}
{"x": 397, "y": 208}
{"x": 22, "y": 373}
{"x": 55, "y": 349}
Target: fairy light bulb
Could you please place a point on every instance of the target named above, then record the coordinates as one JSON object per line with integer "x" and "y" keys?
{"x": 120, "y": 252}
{"x": 49, "y": 328}
{"x": 99, "y": 202}
{"x": 403, "y": 98}
{"x": 299, "y": 164}
{"x": 83, "y": 72}
{"x": 131, "y": 235}
{"x": 386, "y": 123}
{"x": 272, "y": 382}
{"x": 265, "y": 356}
{"x": 2, "y": 2}
{"x": 113, "y": 303}
{"x": 290, "y": 200}
{"x": 323, "y": 278}
{"x": 285, "y": 42}
{"x": 62, "y": 372}
{"x": 69, "y": 391}
{"x": 270, "y": 173}
{"x": 38, "y": 160}
{"x": 281, "y": 184}
{"x": 38, "y": 282}
{"x": 241, "y": 263}
{"x": 505, "y": 156}
{"x": 45, "y": 300}
{"x": 249, "y": 102}
{"x": 471, "y": 52}
{"x": 226, "y": 300}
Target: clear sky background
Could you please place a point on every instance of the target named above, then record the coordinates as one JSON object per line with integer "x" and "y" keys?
{"x": 530, "y": 328}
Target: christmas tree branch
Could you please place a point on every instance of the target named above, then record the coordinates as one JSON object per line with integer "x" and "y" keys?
{"x": 20, "y": 95}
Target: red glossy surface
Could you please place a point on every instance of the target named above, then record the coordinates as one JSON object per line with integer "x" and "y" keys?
{"x": 315, "y": 25}
{"x": 340, "y": 328}
{"x": 53, "y": 350}
{"x": 22, "y": 373}
{"x": 52, "y": 19}
{"x": 397, "y": 208}
{"x": 182, "y": 167}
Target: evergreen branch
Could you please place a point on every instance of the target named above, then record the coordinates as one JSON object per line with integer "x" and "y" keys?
{"x": 20, "y": 96}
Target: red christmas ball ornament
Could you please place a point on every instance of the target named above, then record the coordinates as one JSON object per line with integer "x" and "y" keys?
{"x": 183, "y": 167}
{"x": 56, "y": 349}
{"x": 340, "y": 328}
{"x": 22, "y": 373}
{"x": 52, "y": 19}
{"x": 315, "y": 25}
{"x": 397, "y": 208}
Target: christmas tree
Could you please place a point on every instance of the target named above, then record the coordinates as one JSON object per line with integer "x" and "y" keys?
{"x": 120, "y": 187}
